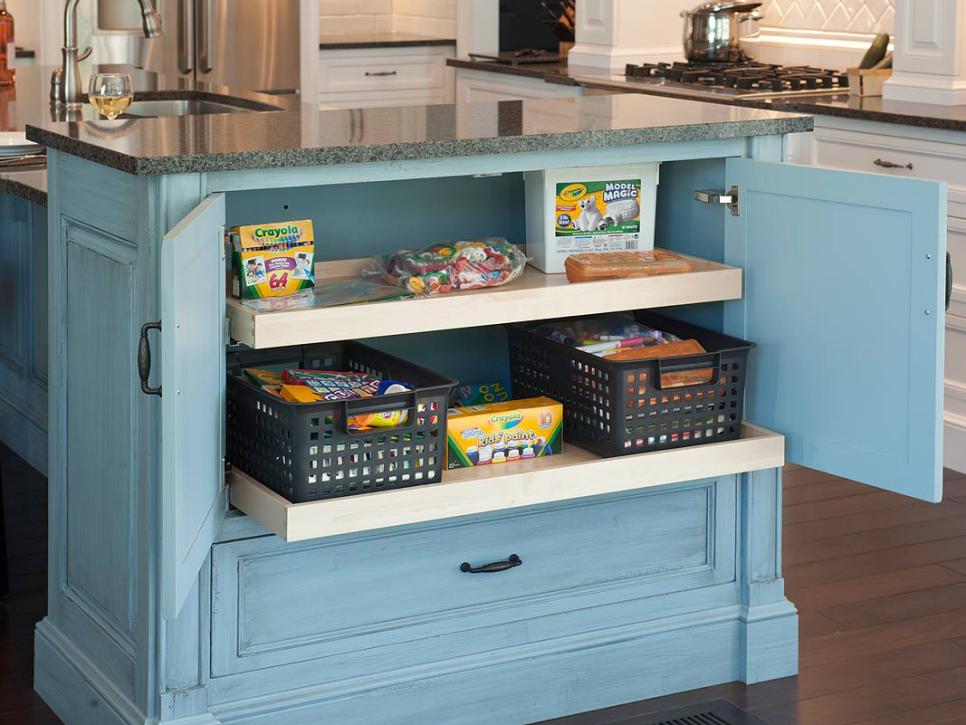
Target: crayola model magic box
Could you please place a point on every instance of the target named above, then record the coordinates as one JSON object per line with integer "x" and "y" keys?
{"x": 273, "y": 260}
{"x": 494, "y": 433}
{"x": 593, "y": 209}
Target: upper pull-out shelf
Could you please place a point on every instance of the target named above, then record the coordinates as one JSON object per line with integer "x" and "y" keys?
{"x": 519, "y": 301}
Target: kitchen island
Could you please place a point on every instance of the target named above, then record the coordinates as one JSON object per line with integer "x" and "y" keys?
{"x": 641, "y": 575}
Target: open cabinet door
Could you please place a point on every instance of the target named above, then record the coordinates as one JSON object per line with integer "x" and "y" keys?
{"x": 193, "y": 493}
{"x": 844, "y": 295}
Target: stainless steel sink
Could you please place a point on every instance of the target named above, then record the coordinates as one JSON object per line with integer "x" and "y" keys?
{"x": 190, "y": 107}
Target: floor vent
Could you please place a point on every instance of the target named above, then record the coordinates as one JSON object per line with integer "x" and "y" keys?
{"x": 715, "y": 712}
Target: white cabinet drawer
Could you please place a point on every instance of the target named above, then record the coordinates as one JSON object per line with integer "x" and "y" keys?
{"x": 893, "y": 155}
{"x": 391, "y": 69}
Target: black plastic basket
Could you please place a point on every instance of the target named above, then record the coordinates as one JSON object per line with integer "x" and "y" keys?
{"x": 614, "y": 408}
{"x": 306, "y": 452}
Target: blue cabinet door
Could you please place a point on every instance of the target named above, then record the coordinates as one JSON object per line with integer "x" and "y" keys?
{"x": 844, "y": 295}
{"x": 193, "y": 492}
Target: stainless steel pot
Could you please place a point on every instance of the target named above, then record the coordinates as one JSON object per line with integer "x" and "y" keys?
{"x": 713, "y": 30}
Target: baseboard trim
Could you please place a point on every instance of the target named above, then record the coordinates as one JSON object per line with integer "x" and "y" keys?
{"x": 74, "y": 687}
{"x": 604, "y": 668}
{"x": 954, "y": 443}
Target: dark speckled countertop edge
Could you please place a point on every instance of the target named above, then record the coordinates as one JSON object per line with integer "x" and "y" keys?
{"x": 413, "y": 151}
{"x": 29, "y": 184}
{"x": 338, "y": 44}
{"x": 819, "y": 108}
{"x": 542, "y": 71}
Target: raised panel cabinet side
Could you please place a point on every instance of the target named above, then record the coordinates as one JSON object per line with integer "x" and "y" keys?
{"x": 102, "y": 281}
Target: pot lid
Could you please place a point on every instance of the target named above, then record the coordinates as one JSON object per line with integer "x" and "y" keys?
{"x": 726, "y": 6}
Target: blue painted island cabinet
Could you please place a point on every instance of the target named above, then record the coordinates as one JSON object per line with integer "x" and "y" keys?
{"x": 184, "y": 591}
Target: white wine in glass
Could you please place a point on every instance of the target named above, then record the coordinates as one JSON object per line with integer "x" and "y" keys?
{"x": 111, "y": 93}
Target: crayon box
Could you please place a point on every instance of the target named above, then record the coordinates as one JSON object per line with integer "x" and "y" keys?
{"x": 273, "y": 260}
{"x": 496, "y": 433}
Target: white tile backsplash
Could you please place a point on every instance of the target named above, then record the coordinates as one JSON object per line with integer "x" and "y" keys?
{"x": 426, "y": 17}
{"x": 831, "y": 16}
{"x": 435, "y": 18}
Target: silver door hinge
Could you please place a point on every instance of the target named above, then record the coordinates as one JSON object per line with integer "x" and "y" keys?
{"x": 227, "y": 331}
{"x": 711, "y": 196}
{"x": 224, "y": 242}
{"x": 226, "y": 469}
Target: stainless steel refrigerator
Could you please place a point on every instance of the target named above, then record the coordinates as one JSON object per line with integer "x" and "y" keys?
{"x": 247, "y": 44}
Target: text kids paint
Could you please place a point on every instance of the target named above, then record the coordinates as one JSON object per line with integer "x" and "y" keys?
{"x": 273, "y": 260}
{"x": 494, "y": 433}
{"x": 598, "y": 209}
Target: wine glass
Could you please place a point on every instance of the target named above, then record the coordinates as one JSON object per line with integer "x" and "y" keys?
{"x": 111, "y": 93}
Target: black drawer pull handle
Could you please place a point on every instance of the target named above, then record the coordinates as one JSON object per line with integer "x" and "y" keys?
{"x": 949, "y": 280}
{"x": 892, "y": 164}
{"x": 382, "y": 73}
{"x": 144, "y": 358}
{"x": 492, "y": 568}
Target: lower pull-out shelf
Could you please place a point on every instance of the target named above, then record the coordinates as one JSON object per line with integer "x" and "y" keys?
{"x": 575, "y": 473}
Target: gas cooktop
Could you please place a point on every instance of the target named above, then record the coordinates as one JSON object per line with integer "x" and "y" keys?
{"x": 745, "y": 79}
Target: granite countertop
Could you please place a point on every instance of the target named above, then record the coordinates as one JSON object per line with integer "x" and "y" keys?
{"x": 949, "y": 118}
{"x": 550, "y": 72}
{"x": 871, "y": 108}
{"x": 345, "y": 41}
{"x": 27, "y": 104}
{"x": 29, "y": 183}
{"x": 313, "y": 137}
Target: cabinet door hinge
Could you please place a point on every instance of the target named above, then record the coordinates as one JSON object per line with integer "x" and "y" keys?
{"x": 226, "y": 469}
{"x": 227, "y": 331}
{"x": 711, "y": 196}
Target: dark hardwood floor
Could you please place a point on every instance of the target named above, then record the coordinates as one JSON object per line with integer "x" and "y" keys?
{"x": 879, "y": 580}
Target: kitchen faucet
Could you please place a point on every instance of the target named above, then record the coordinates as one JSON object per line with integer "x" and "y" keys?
{"x": 65, "y": 87}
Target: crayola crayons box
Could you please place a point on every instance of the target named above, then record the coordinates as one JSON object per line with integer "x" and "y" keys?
{"x": 273, "y": 260}
{"x": 497, "y": 433}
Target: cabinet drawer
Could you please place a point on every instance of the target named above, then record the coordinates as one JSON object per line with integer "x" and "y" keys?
{"x": 275, "y": 603}
{"x": 852, "y": 150}
{"x": 401, "y": 69}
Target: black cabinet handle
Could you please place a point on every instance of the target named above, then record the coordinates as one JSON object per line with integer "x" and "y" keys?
{"x": 382, "y": 73}
{"x": 949, "y": 280}
{"x": 892, "y": 164}
{"x": 144, "y": 358}
{"x": 492, "y": 568}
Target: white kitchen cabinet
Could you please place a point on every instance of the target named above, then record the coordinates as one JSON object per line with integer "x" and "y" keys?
{"x": 899, "y": 150}
{"x": 473, "y": 86}
{"x": 388, "y": 76}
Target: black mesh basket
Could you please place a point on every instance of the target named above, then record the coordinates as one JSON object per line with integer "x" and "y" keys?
{"x": 614, "y": 408}
{"x": 306, "y": 452}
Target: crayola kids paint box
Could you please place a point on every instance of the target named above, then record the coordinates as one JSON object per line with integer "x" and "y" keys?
{"x": 495, "y": 433}
{"x": 273, "y": 260}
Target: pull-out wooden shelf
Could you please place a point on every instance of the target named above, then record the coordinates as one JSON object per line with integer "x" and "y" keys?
{"x": 575, "y": 473}
{"x": 532, "y": 296}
